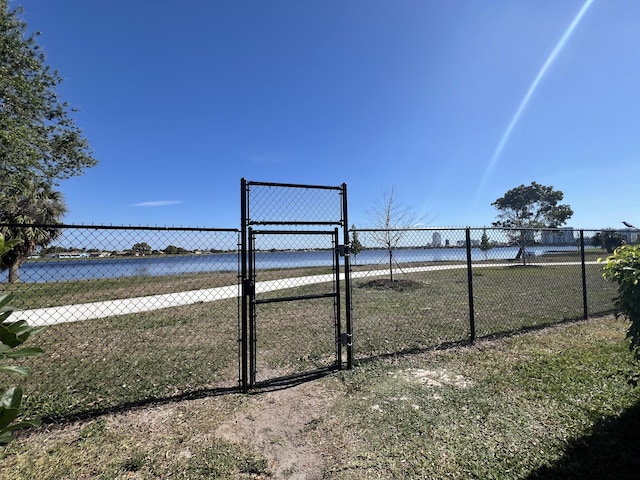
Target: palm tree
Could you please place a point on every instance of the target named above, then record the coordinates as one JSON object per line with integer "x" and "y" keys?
{"x": 32, "y": 203}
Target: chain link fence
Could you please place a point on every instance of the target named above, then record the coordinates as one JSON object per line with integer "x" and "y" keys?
{"x": 132, "y": 314}
{"x": 404, "y": 295}
{"x": 420, "y": 288}
{"x": 141, "y": 313}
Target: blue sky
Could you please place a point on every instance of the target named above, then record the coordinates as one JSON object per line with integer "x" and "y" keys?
{"x": 450, "y": 102}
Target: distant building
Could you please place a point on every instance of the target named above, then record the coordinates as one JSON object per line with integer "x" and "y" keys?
{"x": 630, "y": 236}
{"x": 463, "y": 243}
{"x": 437, "y": 239}
{"x": 561, "y": 236}
{"x": 74, "y": 254}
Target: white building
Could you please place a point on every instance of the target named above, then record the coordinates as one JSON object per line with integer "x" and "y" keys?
{"x": 630, "y": 235}
{"x": 436, "y": 239}
{"x": 561, "y": 236}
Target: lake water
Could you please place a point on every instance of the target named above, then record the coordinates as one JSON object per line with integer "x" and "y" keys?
{"x": 83, "y": 269}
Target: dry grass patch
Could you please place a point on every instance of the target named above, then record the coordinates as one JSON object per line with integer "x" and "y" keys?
{"x": 434, "y": 378}
{"x": 169, "y": 441}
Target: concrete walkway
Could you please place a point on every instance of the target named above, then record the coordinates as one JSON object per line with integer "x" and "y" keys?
{"x": 110, "y": 308}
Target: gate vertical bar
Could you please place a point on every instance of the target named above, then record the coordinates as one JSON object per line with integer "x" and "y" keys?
{"x": 244, "y": 323}
{"x": 347, "y": 278}
{"x": 251, "y": 290}
{"x": 472, "y": 318}
{"x": 585, "y": 303}
{"x": 337, "y": 303}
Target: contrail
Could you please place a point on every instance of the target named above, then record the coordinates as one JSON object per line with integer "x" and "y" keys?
{"x": 532, "y": 89}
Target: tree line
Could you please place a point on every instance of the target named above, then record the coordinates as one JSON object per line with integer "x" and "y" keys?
{"x": 139, "y": 250}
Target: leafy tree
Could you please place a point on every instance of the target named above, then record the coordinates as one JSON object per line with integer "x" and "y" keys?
{"x": 528, "y": 207}
{"x": 596, "y": 240}
{"x": 391, "y": 218}
{"x": 485, "y": 243}
{"x": 608, "y": 239}
{"x": 38, "y": 137}
{"x": 141, "y": 249}
{"x": 39, "y": 141}
{"x": 173, "y": 250}
{"x": 12, "y": 335}
{"x": 356, "y": 247}
{"x": 34, "y": 204}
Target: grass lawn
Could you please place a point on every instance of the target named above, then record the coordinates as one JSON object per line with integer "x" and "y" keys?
{"x": 549, "y": 404}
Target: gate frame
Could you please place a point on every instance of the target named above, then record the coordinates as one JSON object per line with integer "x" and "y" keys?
{"x": 254, "y": 301}
{"x": 247, "y": 355}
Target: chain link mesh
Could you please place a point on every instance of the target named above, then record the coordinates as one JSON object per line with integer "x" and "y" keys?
{"x": 291, "y": 205}
{"x": 131, "y": 314}
{"x": 411, "y": 286}
{"x": 134, "y": 314}
{"x": 407, "y": 295}
{"x": 295, "y": 303}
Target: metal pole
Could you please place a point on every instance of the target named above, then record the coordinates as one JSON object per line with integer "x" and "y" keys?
{"x": 472, "y": 320}
{"x": 337, "y": 304}
{"x": 347, "y": 279}
{"x": 585, "y": 303}
{"x": 244, "y": 347}
{"x": 251, "y": 316}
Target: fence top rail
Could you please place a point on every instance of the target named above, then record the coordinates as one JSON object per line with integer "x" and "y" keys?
{"x": 119, "y": 227}
{"x": 462, "y": 229}
{"x": 408, "y": 229}
{"x": 294, "y": 185}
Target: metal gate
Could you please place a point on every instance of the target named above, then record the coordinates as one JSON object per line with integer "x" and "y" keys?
{"x": 296, "y": 303}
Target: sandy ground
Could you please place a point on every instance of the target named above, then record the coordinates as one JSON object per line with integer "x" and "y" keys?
{"x": 278, "y": 426}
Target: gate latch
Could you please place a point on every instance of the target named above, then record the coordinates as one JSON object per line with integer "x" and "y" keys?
{"x": 343, "y": 250}
{"x": 249, "y": 288}
{"x": 345, "y": 339}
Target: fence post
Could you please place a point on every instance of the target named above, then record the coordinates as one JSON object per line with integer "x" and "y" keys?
{"x": 347, "y": 280}
{"x": 472, "y": 320}
{"x": 244, "y": 313}
{"x": 585, "y": 304}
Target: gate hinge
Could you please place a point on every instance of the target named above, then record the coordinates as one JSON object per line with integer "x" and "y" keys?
{"x": 345, "y": 339}
{"x": 343, "y": 250}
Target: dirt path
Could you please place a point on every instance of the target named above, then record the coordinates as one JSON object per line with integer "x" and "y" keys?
{"x": 278, "y": 425}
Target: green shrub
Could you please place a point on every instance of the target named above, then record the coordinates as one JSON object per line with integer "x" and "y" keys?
{"x": 12, "y": 335}
{"x": 623, "y": 267}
